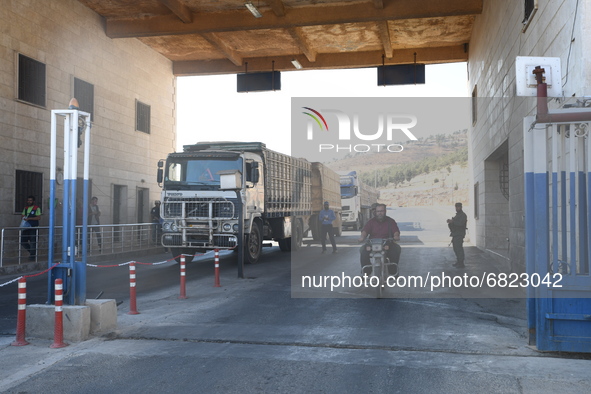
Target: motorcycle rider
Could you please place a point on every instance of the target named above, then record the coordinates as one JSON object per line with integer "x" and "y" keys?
{"x": 381, "y": 226}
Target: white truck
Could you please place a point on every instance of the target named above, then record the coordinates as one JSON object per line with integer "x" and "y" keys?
{"x": 215, "y": 191}
{"x": 357, "y": 198}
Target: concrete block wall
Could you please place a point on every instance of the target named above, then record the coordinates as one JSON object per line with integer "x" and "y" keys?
{"x": 497, "y": 39}
{"x": 70, "y": 40}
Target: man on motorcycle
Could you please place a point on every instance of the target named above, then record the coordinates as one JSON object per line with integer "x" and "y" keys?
{"x": 381, "y": 226}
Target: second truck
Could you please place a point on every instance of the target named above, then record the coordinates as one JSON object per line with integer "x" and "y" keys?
{"x": 214, "y": 192}
{"x": 357, "y": 198}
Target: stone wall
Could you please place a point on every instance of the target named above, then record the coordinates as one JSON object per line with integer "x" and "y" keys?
{"x": 556, "y": 30}
{"x": 70, "y": 40}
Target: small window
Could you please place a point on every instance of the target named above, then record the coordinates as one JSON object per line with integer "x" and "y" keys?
{"x": 530, "y": 8}
{"x": 84, "y": 93}
{"x": 476, "y": 202}
{"x": 27, "y": 183}
{"x": 31, "y": 80}
{"x": 142, "y": 117}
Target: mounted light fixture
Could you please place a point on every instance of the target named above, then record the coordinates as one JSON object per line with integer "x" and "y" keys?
{"x": 296, "y": 64}
{"x": 253, "y": 10}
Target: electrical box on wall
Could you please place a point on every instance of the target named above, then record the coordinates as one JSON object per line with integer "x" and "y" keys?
{"x": 526, "y": 80}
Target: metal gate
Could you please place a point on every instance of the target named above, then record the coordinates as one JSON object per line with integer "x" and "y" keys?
{"x": 557, "y": 160}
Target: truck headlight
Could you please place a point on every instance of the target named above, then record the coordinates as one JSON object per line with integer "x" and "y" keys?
{"x": 227, "y": 227}
{"x": 235, "y": 228}
{"x": 166, "y": 226}
{"x": 174, "y": 227}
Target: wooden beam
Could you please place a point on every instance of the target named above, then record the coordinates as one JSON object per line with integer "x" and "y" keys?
{"x": 277, "y": 7}
{"x": 230, "y": 53}
{"x": 379, "y": 4}
{"x": 435, "y": 55}
{"x": 313, "y": 15}
{"x": 179, "y": 9}
{"x": 385, "y": 37}
{"x": 302, "y": 43}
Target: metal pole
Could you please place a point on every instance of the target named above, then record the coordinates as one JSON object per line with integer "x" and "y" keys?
{"x": 52, "y": 205}
{"x": 241, "y": 241}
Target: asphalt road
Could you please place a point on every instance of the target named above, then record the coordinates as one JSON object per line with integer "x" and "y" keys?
{"x": 259, "y": 334}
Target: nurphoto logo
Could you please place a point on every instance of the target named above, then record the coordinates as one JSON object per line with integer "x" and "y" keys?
{"x": 387, "y": 126}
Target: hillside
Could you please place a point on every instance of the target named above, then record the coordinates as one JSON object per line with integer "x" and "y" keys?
{"x": 433, "y": 146}
{"x": 430, "y": 171}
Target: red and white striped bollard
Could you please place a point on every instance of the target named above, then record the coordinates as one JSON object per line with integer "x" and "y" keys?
{"x": 217, "y": 268}
{"x": 58, "y": 330}
{"x": 132, "y": 293}
{"x": 183, "y": 295}
{"x": 22, "y": 314}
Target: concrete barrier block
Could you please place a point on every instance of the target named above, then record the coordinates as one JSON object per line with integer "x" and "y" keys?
{"x": 103, "y": 316}
{"x": 41, "y": 322}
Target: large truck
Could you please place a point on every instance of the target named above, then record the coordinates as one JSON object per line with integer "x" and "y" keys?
{"x": 215, "y": 192}
{"x": 326, "y": 186}
{"x": 357, "y": 198}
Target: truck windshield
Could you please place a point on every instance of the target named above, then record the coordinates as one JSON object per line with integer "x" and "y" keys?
{"x": 197, "y": 174}
{"x": 347, "y": 191}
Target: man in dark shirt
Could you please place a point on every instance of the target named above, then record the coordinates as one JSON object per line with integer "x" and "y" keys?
{"x": 157, "y": 227}
{"x": 326, "y": 217}
{"x": 381, "y": 226}
{"x": 31, "y": 214}
{"x": 457, "y": 227}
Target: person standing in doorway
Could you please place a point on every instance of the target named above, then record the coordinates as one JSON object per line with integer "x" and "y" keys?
{"x": 457, "y": 228}
{"x": 326, "y": 217}
{"x": 155, "y": 216}
{"x": 94, "y": 214}
{"x": 30, "y": 215}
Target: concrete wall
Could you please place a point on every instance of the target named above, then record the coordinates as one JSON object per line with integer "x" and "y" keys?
{"x": 556, "y": 30}
{"x": 69, "y": 39}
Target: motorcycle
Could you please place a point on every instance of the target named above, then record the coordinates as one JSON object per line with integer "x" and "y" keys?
{"x": 380, "y": 263}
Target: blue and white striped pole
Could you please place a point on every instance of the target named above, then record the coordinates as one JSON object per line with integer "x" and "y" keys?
{"x": 75, "y": 282}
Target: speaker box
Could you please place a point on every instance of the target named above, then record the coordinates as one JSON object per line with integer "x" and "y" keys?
{"x": 258, "y": 82}
{"x": 401, "y": 74}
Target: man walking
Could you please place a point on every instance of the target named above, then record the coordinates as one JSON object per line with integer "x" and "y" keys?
{"x": 457, "y": 227}
{"x": 30, "y": 215}
{"x": 326, "y": 217}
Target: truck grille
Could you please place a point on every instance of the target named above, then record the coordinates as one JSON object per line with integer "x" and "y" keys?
{"x": 198, "y": 209}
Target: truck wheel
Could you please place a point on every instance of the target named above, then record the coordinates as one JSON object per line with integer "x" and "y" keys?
{"x": 254, "y": 244}
{"x": 176, "y": 254}
{"x": 297, "y": 236}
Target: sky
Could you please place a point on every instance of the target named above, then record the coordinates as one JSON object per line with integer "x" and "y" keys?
{"x": 210, "y": 109}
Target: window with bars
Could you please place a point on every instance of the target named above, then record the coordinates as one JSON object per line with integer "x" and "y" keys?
{"x": 84, "y": 93}
{"x": 142, "y": 117}
{"x": 31, "y": 81}
{"x": 27, "y": 183}
{"x": 504, "y": 177}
